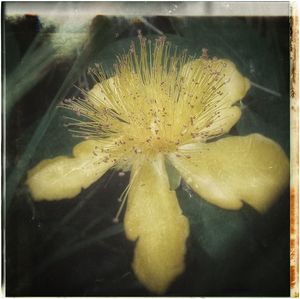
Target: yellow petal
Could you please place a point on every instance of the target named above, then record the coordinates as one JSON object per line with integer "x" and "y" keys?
{"x": 223, "y": 124}
{"x": 253, "y": 169}
{"x": 154, "y": 218}
{"x": 64, "y": 177}
{"x": 216, "y": 85}
{"x": 236, "y": 85}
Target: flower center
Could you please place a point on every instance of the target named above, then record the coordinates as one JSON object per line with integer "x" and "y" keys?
{"x": 154, "y": 102}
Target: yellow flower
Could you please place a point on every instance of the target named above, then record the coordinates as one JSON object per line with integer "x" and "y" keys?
{"x": 159, "y": 105}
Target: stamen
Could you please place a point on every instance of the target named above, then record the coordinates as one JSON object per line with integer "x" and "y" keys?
{"x": 115, "y": 220}
{"x": 204, "y": 53}
{"x": 152, "y": 102}
{"x": 123, "y": 198}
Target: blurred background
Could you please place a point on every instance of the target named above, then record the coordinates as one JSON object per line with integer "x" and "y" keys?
{"x": 71, "y": 247}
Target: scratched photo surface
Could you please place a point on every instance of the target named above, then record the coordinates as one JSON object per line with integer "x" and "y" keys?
{"x": 145, "y": 154}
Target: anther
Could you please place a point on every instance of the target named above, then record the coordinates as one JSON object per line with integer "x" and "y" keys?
{"x": 115, "y": 220}
{"x": 143, "y": 42}
{"x": 139, "y": 32}
{"x": 183, "y": 132}
{"x": 204, "y": 53}
{"x": 137, "y": 150}
{"x": 132, "y": 47}
{"x": 67, "y": 101}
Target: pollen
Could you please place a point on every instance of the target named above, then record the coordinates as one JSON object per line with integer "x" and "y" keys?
{"x": 154, "y": 100}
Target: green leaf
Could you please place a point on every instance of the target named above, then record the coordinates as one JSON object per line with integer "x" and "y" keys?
{"x": 232, "y": 38}
{"x": 32, "y": 68}
{"x": 11, "y": 49}
{"x": 219, "y": 232}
